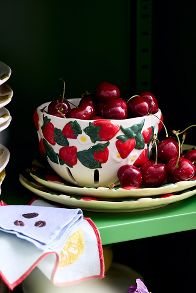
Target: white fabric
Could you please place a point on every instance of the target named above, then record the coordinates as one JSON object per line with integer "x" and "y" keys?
{"x": 61, "y": 252}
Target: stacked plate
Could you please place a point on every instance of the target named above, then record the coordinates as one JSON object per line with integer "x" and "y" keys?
{"x": 41, "y": 180}
{"x": 6, "y": 94}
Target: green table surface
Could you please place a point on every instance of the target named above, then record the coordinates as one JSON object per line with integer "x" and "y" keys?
{"x": 120, "y": 227}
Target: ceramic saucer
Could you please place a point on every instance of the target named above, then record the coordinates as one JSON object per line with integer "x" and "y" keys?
{"x": 4, "y": 115}
{"x": 48, "y": 178}
{"x": 117, "y": 280}
{"x": 4, "y": 157}
{"x": 5, "y": 72}
{"x": 95, "y": 204}
{"x": 5, "y": 124}
{"x": 6, "y": 94}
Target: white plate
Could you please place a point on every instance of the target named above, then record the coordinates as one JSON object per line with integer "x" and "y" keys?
{"x": 5, "y": 124}
{"x": 6, "y": 94}
{"x": 93, "y": 204}
{"x": 4, "y": 157}
{"x": 5, "y": 72}
{"x": 117, "y": 280}
{"x": 37, "y": 174}
{"x": 4, "y": 115}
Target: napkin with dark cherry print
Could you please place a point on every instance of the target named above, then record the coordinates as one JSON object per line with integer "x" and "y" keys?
{"x": 45, "y": 227}
{"x": 54, "y": 239}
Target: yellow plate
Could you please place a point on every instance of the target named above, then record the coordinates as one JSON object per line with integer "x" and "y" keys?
{"x": 93, "y": 204}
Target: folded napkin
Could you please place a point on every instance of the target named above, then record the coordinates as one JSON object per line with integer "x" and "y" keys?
{"x": 56, "y": 240}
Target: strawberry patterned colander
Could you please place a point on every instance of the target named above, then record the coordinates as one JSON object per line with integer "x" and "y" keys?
{"x": 90, "y": 152}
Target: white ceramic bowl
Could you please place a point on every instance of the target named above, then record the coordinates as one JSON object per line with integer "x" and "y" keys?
{"x": 90, "y": 152}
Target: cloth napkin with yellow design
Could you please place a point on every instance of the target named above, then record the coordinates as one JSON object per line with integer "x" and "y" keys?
{"x": 55, "y": 239}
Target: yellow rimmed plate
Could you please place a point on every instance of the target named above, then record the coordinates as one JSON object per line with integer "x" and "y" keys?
{"x": 89, "y": 204}
{"x": 4, "y": 158}
{"x": 4, "y": 115}
{"x": 39, "y": 174}
{"x": 5, "y": 72}
{"x": 6, "y": 94}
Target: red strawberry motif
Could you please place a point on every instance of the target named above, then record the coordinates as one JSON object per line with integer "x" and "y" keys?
{"x": 101, "y": 156}
{"x": 68, "y": 154}
{"x": 101, "y": 130}
{"x": 148, "y": 134}
{"x": 48, "y": 132}
{"x": 71, "y": 129}
{"x": 125, "y": 147}
{"x": 143, "y": 158}
{"x": 36, "y": 120}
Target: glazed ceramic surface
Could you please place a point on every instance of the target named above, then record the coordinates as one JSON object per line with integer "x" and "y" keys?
{"x": 90, "y": 152}
{"x": 6, "y": 94}
{"x": 5, "y": 123}
{"x": 117, "y": 280}
{"x": 4, "y": 115}
{"x": 47, "y": 177}
{"x": 5, "y": 72}
{"x": 110, "y": 205}
{"x": 4, "y": 157}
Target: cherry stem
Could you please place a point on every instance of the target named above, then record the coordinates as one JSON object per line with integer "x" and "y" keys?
{"x": 131, "y": 98}
{"x": 181, "y": 132}
{"x": 63, "y": 96}
{"x": 183, "y": 139}
{"x": 179, "y": 147}
{"x": 166, "y": 133}
{"x": 155, "y": 143}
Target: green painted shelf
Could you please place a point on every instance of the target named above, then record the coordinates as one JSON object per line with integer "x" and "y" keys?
{"x": 120, "y": 227}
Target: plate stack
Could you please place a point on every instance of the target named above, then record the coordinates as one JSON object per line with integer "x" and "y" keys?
{"x": 6, "y": 94}
{"x": 41, "y": 180}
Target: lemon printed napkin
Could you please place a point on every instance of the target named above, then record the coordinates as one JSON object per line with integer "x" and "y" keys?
{"x": 55, "y": 239}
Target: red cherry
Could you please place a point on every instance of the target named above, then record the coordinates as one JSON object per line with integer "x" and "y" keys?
{"x": 143, "y": 104}
{"x": 86, "y": 100}
{"x": 84, "y": 111}
{"x": 114, "y": 109}
{"x": 167, "y": 149}
{"x": 129, "y": 175}
{"x": 59, "y": 108}
{"x": 152, "y": 102}
{"x": 153, "y": 174}
{"x": 191, "y": 155}
{"x": 106, "y": 90}
{"x": 180, "y": 169}
{"x": 137, "y": 106}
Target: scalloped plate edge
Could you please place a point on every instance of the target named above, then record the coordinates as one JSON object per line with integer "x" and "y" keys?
{"x": 106, "y": 206}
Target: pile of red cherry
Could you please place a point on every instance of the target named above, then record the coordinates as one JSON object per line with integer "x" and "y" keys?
{"x": 106, "y": 103}
{"x": 169, "y": 164}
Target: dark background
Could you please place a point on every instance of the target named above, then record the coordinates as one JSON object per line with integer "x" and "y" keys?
{"x": 85, "y": 42}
